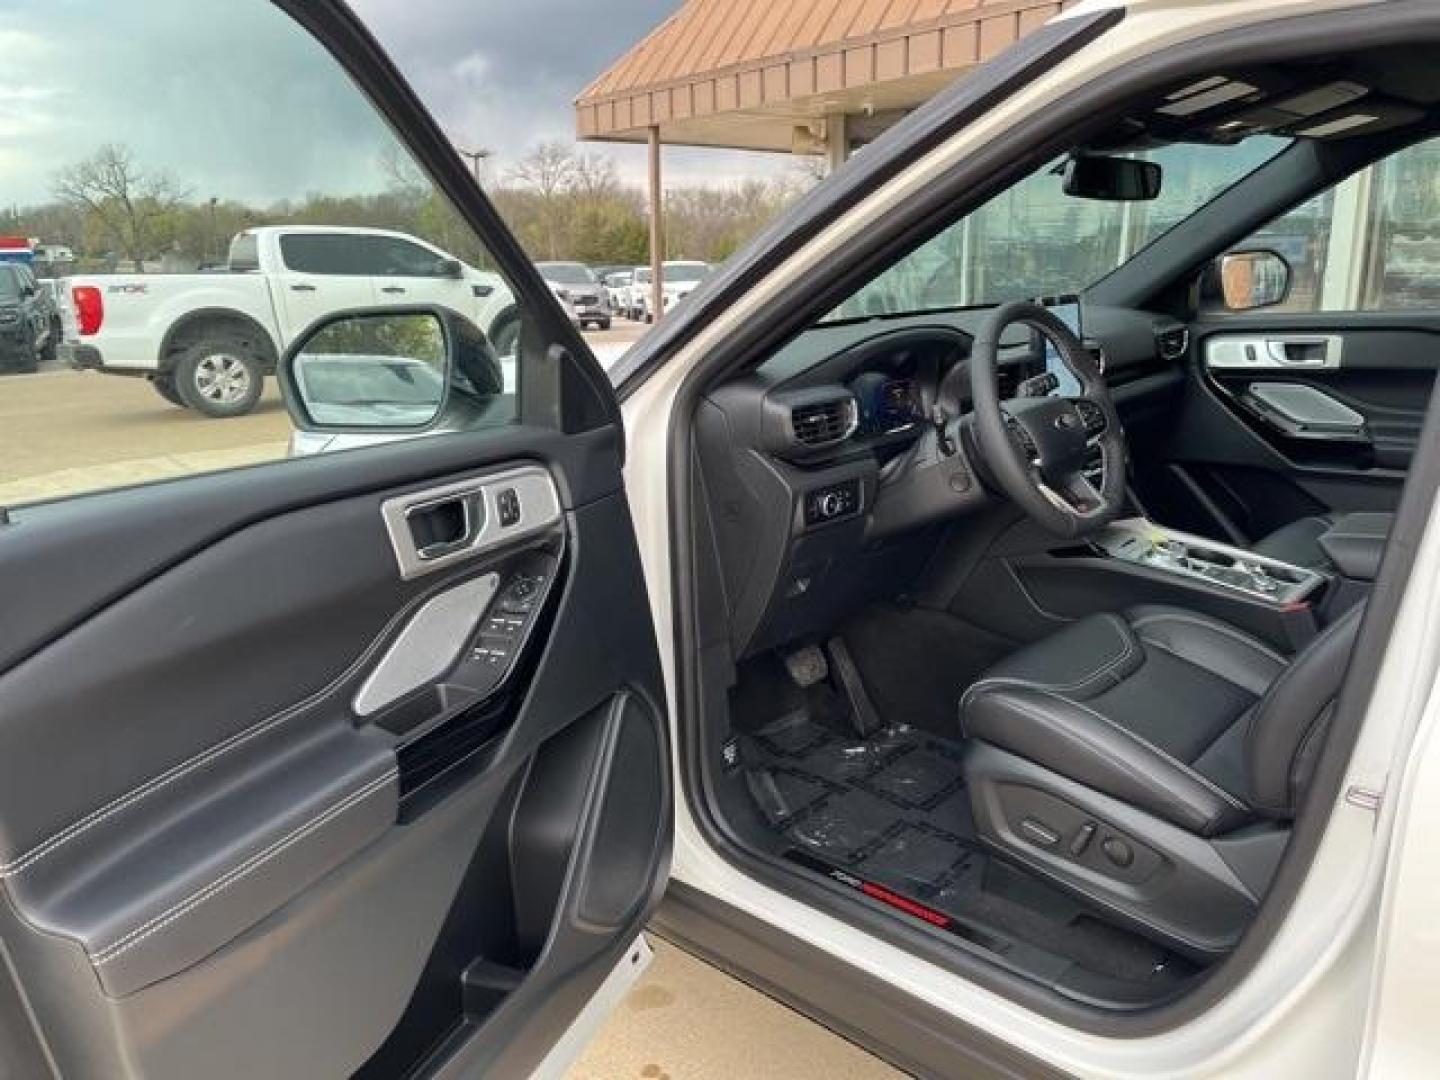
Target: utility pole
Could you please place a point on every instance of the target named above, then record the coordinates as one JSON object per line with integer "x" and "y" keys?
{"x": 475, "y": 157}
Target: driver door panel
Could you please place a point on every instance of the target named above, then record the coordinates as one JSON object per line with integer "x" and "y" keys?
{"x": 216, "y": 864}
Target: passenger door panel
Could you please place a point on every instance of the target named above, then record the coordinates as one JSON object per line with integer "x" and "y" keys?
{"x": 1293, "y": 415}
{"x": 224, "y": 858}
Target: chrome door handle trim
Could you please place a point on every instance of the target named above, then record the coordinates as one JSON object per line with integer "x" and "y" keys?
{"x": 1266, "y": 352}
{"x": 538, "y": 509}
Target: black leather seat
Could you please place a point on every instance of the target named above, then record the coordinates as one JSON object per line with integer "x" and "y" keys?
{"x": 1168, "y": 710}
{"x": 1168, "y": 738}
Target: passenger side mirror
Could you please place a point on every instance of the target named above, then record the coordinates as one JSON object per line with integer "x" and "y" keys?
{"x": 1249, "y": 280}
{"x": 449, "y": 268}
{"x": 1111, "y": 179}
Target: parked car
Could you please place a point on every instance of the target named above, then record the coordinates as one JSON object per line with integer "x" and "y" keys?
{"x": 844, "y": 651}
{"x": 206, "y": 341}
{"x": 637, "y": 296}
{"x": 576, "y": 287}
{"x": 29, "y": 322}
{"x": 617, "y": 288}
{"x": 679, "y": 278}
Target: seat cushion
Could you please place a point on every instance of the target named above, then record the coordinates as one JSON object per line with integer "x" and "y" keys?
{"x": 1298, "y": 543}
{"x": 1151, "y": 706}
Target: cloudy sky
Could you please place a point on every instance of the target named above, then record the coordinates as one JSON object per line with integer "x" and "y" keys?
{"x": 232, "y": 100}
{"x": 503, "y": 73}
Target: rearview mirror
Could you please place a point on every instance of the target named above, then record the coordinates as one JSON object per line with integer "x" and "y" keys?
{"x": 1253, "y": 279}
{"x": 1111, "y": 179}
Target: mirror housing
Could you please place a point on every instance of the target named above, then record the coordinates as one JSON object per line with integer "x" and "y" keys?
{"x": 449, "y": 268}
{"x": 390, "y": 371}
{"x": 1111, "y": 179}
{"x": 1249, "y": 280}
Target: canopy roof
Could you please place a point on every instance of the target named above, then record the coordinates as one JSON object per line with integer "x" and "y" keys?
{"x": 746, "y": 74}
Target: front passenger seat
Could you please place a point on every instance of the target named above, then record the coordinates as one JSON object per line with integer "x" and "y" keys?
{"x": 1151, "y": 761}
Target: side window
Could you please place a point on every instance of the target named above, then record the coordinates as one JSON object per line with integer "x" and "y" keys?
{"x": 398, "y": 258}
{"x": 177, "y": 265}
{"x": 1372, "y": 243}
{"x": 337, "y": 254}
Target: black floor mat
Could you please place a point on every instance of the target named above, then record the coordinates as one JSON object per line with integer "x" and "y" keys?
{"x": 893, "y": 809}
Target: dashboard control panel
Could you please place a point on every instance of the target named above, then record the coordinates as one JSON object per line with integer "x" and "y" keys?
{"x": 835, "y": 502}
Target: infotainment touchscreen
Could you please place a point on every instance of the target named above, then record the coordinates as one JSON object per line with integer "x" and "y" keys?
{"x": 1067, "y": 310}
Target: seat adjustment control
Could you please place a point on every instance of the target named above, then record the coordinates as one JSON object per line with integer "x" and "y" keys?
{"x": 1082, "y": 839}
{"x": 1118, "y": 851}
{"x": 1038, "y": 832}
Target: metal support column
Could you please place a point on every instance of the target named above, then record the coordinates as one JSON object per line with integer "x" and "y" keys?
{"x": 657, "y": 226}
{"x": 837, "y": 140}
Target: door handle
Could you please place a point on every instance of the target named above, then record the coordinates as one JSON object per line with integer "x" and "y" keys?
{"x": 302, "y": 288}
{"x": 443, "y": 526}
{"x": 1230, "y": 352}
{"x": 392, "y": 289}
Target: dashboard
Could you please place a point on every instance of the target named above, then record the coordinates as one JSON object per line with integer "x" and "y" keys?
{"x": 829, "y": 468}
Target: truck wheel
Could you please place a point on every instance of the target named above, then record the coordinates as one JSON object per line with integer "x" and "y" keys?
{"x": 165, "y": 386}
{"x": 51, "y": 352}
{"x": 218, "y": 378}
{"x": 505, "y": 335}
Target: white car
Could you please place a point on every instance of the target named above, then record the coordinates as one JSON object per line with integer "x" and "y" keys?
{"x": 617, "y": 287}
{"x": 679, "y": 278}
{"x": 1028, "y": 669}
{"x": 207, "y": 341}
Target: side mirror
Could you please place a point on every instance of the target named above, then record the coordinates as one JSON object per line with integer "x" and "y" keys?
{"x": 1111, "y": 179}
{"x": 389, "y": 371}
{"x": 449, "y": 268}
{"x": 1253, "y": 279}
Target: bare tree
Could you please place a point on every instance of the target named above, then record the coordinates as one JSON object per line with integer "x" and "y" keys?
{"x": 549, "y": 171}
{"x": 126, "y": 201}
{"x": 594, "y": 179}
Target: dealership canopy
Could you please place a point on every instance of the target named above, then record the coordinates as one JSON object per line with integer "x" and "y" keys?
{"x": 796, "y": 76}
{"x": 812, "y": 76}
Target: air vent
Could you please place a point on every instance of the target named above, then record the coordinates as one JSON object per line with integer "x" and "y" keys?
{"x": 819, "y": 424}
{"x": 1172, "y": 343}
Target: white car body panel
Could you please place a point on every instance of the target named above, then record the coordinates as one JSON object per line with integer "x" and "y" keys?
{"x": 142, "y": 309}
{"x": 1301, "y": 1010}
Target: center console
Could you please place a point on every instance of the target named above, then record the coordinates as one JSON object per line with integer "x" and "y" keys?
{"x": 1256, "y": 578}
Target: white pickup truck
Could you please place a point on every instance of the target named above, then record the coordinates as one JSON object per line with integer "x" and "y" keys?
{"x": 206, "y": 341}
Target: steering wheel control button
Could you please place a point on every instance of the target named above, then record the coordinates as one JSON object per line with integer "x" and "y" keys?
{"x": 1037, "y": 832}
{"x": 1118, "y": 851}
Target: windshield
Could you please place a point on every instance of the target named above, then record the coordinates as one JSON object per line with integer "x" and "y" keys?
{"x": 9, "y": 284}
{"x": 1034, "y": 240}
{"x": 685, "y": 271}
{"x": 567, "y": 274}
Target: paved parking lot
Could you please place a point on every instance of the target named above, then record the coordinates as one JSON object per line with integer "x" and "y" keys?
{"x": 685, "y": 1020}
{"x": 64, "y": 432}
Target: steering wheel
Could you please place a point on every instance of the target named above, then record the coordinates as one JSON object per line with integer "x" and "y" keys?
{"x": 1038, "y": 448}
